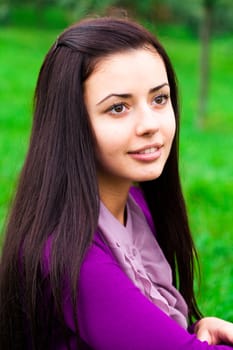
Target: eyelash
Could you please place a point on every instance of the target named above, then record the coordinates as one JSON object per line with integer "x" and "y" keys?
{"x": 114, "y": 106}
{"x": 163, "y": 97}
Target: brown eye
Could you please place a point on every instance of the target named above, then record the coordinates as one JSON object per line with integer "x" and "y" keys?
{"x": 160, "y": 100}
{"x": 117, "y": 108}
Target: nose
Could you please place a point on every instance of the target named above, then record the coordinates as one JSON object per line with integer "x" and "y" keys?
{"x": 147, "y": 121}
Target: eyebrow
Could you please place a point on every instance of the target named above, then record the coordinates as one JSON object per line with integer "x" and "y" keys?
{"x": 126, "y": 96}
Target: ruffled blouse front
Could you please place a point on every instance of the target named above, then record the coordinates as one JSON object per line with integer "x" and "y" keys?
{"x": 139, "y": 255}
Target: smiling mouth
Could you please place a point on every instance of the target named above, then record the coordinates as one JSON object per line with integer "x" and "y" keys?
{"x": 148, "y": 150}
{"x": 147, "y": 154}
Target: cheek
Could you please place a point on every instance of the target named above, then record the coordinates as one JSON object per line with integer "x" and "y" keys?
{"x": 170, "y": 127}
{"x": 173, "y": 128}
{"x": 108, "y": 140}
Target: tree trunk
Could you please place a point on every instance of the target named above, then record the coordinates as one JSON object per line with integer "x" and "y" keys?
{"x": 39, "y": 5}
{"x": 205, "y": 37}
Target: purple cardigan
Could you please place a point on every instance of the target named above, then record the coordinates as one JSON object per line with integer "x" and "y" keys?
{"x": 114, "y": 314}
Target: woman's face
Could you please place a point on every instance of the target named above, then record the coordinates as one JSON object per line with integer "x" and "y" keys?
{"x": 128, "y": 100}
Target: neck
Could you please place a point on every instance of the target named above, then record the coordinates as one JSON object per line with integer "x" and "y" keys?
{"x": 115, "y": 198}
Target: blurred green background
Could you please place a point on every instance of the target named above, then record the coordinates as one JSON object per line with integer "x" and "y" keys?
{"x": 198, "y": 36}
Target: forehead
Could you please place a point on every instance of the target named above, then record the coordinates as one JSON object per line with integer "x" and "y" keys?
{"x": 127, "y": 70}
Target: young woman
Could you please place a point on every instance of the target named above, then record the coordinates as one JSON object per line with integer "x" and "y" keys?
{"x": 98, "y": 252}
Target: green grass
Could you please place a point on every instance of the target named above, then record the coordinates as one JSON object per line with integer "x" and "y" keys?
{"x": 21, "y": 54}
{"x": 206, "y": 155}
{"x": 207, "y": 169}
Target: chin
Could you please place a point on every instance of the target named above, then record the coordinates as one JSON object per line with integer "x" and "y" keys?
{"x": 148, "y": 177}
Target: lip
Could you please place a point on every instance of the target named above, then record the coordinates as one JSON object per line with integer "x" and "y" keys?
{"x": 147, "y": 153}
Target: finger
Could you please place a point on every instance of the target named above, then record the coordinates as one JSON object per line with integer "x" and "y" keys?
{"x": 204, "y": 335}
{"x": 227, "y": 333}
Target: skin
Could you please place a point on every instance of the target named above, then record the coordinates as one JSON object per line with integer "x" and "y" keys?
{"x": 128, "y": 101}
{"x": 129, "y": 119}
{"x": 214, "y": 331}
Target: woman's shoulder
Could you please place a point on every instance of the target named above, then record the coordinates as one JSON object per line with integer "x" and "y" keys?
{"x": 97, "y": 251}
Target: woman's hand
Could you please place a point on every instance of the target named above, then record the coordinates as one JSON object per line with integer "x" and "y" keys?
{"x": 214, "y": 330}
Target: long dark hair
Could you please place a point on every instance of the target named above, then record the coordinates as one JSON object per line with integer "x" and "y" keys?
{"x": 58, "y": 191}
